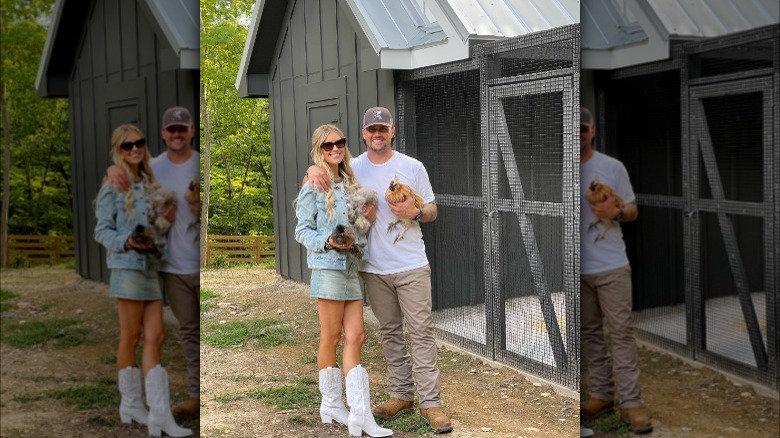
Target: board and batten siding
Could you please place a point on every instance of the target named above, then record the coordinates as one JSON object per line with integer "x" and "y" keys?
{"x": 322, "y": 73}
{"x": 121, "y": 74}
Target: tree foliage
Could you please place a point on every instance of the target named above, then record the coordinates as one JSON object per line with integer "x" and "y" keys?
{"x": 38, "y": 129}
{"x": 239, "y": 140}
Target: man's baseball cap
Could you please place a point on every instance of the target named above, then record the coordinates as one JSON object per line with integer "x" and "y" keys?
{"x": 177, "y": 115}
{"x": 377, "y": 115}
{"x": 586, "y": 118}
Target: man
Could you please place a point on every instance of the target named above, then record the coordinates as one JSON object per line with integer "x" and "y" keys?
{"x": 397, "y": 275}
{"x": 180, "y": 272}
{"x": 605, "y": 284}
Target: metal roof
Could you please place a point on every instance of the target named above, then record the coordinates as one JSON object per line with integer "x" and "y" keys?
{"x": 409, "y": 34}
{"x": 619, "y": 33}
{"x": 178, "y": 20}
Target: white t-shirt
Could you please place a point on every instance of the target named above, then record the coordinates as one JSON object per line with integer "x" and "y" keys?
{"x": 610, "y": 252}
{"x": 184, "y": 236}
{"x": 384, "y": 257}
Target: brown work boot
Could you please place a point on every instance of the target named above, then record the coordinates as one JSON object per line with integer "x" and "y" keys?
{"x": 189, "y": 408}
{"x": 393, "y": 408}
{"x": 436, "y": 418}
{"x": 638, "y": 419}
{"x": 595, "y": 408}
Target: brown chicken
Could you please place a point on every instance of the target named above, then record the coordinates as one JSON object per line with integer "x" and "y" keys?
{"x": 397, "y": 192}
{"x": 192, "y": 194}
{"x": 597, "y": 193}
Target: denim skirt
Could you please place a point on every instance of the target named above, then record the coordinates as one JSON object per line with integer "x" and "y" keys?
{"x": 331, "y": 284}
{"x": 135, "y": 285}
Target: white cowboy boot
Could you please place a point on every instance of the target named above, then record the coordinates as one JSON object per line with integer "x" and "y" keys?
{"x": 359, "y": 398}
{"x": 159, "y": 399}
{"x": 132, "y": 405}
{"x": 332, "y": 405}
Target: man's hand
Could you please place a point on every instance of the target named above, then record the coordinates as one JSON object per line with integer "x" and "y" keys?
{"x": 369, "y": 212}
{"x": 117, "y": 178}
{"x": 317, "y": 178}
{"x": 194, "y": 208}
{"x": 169, "y": 211}
{"x": 606, "y": 209}
{"x": 404, "y": 209}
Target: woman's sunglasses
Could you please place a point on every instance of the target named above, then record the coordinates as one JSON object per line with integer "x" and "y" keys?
{"x": 128, "y": 145}
{"x": 328, "y": 145}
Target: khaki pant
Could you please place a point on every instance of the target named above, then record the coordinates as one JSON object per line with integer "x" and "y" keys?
{"x": 399, "y": 299}
{"x": 606, "y": 301}
{"x": 183, "y": 295}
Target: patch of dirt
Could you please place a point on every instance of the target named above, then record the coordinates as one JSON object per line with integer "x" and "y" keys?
{"x": 53, "y": 293}
{"x": 482, "y": 400}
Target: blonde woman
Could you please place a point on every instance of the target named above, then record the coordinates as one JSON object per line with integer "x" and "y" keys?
{"x": 336, "y": 286}
{"x": 133, "y": 259}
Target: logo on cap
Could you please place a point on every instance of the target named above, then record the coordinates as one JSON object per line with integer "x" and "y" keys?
{"x": 378, "y": 115}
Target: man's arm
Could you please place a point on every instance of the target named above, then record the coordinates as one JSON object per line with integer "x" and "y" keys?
{"x": 608, "y": 210}
{"x": 116, "y": 178}
{"x": 317, "y": 178}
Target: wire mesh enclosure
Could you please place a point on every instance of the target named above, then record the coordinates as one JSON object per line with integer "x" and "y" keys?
{"x": 497, "y": 136}
{"x": 699, "y": 138}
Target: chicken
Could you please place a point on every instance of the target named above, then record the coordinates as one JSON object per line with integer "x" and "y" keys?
{"x": 346, "y": 235}
{"x": 145, "y": 236}
{"x": 159, "y": 200}
{"x": 359, "y": 199}
{"x": 597, "y": 193}
{"x": 398, "y": 192}
{"x": 192, "y": 194}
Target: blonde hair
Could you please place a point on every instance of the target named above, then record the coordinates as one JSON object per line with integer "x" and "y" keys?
{"x": 345, "y": 169}
{"x": 145, "y": 171}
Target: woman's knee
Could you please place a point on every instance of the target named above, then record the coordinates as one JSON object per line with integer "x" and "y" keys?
{"x": 154, "y": 337}
{"x": 130, "y": 337}
{"x": 356, "y": 337}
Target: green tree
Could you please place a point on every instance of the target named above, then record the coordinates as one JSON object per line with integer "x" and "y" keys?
{"x": 36, "y": 140}
{"x": 237, "y": 138}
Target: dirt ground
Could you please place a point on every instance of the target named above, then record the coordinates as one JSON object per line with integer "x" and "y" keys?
{"x": 482, "y": 400}
{"x": 26, "y": 374}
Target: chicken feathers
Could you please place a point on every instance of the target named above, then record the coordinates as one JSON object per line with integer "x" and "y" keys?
{"x": 597, "y": 193}
{"x": 398, "y": 192}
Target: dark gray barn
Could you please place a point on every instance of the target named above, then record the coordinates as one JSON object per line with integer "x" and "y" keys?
{"x": 117, "y": 61}
{"x": 493, "y": 119}
{"x": 686, "y": 95}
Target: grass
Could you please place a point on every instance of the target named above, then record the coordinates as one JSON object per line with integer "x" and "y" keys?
{"x": 62, "y": 332}
{"x": 6, "y": 296}
{"x": 208, "y": 300}
{"x": 263, "y": 332}
{"x": 102, "y": 394}
{"x": 304, "y": 394}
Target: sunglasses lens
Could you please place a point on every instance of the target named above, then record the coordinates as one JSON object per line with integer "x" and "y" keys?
{"x": 128, "y": 145}
{"x": 176, "y": 128}
{"x": 327, "y": 146}
{"x": 341, "y": 143}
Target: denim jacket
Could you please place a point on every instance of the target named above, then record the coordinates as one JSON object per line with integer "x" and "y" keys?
{"x": 113, "y": 229}
{"x": 315, "y": 226}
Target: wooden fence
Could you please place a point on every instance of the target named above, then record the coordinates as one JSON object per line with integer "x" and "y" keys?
{"x": 238, "y": 249}
{"x": 36, "y": 249}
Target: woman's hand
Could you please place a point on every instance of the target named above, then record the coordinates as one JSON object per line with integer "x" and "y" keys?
{"x": 335, "y": 245}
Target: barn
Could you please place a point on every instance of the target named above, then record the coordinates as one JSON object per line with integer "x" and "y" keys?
{"x": 116, "y": 61}
{"x": 486, "y": 95}
{"x": 686, "y": 94}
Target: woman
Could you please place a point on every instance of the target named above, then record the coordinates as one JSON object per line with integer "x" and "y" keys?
{"x": 335, "y": 284}
{"x": 133, "y": 258}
